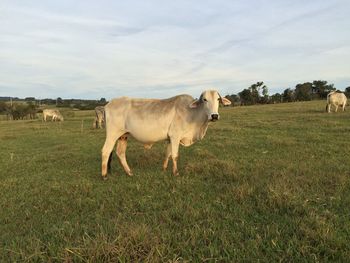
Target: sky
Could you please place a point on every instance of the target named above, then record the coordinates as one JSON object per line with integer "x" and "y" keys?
{"x": 157, "y": 49}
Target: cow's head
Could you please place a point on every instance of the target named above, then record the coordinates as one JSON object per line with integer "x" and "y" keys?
{"x": 209, "y": 101}
{"x": 60, "y": 117}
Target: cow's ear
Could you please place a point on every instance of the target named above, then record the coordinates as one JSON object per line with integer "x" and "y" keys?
{"x": 194, "y": 104}
{"x": 225, "y": 101}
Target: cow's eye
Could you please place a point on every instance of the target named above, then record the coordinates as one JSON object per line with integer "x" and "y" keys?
{"x": 218, "y": 99}
{"x": 205, "y": 100}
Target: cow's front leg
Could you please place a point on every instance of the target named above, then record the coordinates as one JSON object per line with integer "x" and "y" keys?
{"x": 174, "y": 154}
{"x": 167, "y": 156}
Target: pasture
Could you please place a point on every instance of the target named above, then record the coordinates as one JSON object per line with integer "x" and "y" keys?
{"x": 268, "y": 183}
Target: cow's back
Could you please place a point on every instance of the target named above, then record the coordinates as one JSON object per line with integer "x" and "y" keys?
{"x": 99, "y": 111}
{"x": 49, "y": 111}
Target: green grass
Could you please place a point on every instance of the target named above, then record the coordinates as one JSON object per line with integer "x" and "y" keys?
{"x": 268, "y": 183}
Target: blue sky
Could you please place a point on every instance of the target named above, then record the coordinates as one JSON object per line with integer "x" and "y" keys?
{"x": 93, "y": 49}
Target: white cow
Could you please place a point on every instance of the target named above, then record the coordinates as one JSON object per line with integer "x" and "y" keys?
{"x": 55, "y": 114}
{"x": 336, "y": 99}
{"x": 180, "y": 120}
{"x": 99, "y": 117}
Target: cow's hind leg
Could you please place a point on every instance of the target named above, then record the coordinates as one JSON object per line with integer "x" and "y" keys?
{"x": 107, "y": 150}
{"x": 167, "y": 156}
{"x": 121, "y": 149}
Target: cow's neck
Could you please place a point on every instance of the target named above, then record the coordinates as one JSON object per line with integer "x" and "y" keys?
{"x": 203, "y": 130}
{"x": 200, "y": 119}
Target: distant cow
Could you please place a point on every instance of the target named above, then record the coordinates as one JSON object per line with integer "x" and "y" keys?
{"x": 99, "y": 117}
{"x": 180, "y": 120}
{"x": 337, "y": 99}
{"x": 55, "y": 114}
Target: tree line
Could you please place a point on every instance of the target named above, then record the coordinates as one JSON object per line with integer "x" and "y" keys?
{"x": 257, "y": 93}
{"x": 58, "y": 102}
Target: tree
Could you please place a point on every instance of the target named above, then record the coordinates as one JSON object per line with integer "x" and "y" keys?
{"x": 276, "y": 98}
{"x": 265, "y": 95}
{"x": 320, "y": 89}
{"x": 29, "y": 99}
{"x": 288, "y": 95}
{"x": 303, "y": 91}
{"x": 103, "y": 100}
{"x": 259, "y": 93}
{"x": 254, "y": 90}
{"x": 48, "y": 101}
{"x": 234, "y": 98}
{"x": 3, "y": 106}
{"x": 18, "y": 111}
{"x": 59, "y": 101}
{"x": 246, "y": 97}
{"x": 347, "y": 92}
{"x": 32, "y": 110}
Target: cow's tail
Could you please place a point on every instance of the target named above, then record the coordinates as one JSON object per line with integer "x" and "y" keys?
{"x": 328, "y": 100}
{"x": 104, "y": 119}
{"x": 328, "y": 95}
{"x": 111, "y": 154}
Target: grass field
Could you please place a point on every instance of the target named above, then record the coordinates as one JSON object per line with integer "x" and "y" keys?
{"x": 268, "y": 183}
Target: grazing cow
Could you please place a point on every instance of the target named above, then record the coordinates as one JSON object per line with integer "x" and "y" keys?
{"x": 99, "y": 117}
{"x": 55, "y": 114}
{"x": 180, "y": 120}
{"x": 337, "y": 99}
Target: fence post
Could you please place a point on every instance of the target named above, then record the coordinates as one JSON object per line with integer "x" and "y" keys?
{"x": 82, "y": 126}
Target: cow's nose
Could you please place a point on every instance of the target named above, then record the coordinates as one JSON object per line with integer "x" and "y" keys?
{"x": 214, "y": 117}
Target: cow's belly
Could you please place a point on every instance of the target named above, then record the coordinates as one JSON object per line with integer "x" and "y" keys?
{"x": 148, "y": 135}
{"x": 147, "y": 132}
{"x": 338, "y": 103}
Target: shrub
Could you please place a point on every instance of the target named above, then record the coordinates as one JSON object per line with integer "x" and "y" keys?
{"x": 18, "y": 111}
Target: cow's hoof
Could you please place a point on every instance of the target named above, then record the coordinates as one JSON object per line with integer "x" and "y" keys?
{"x": 130, "y": 173}
{"x": 176, "y": 174}
{"x": 104, "y": 178}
